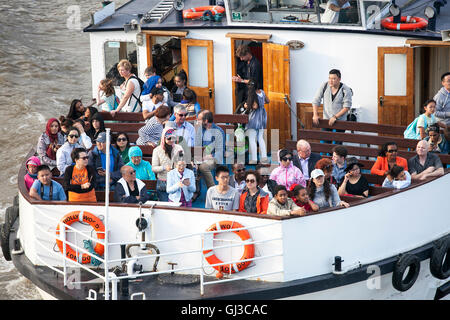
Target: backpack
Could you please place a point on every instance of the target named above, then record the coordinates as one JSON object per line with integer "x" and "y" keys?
{"x": 141, "y": 85}
{"x": 411, "y": 130}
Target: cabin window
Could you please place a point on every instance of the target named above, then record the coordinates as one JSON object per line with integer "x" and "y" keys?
{"x": 295, "y": 11}
{"x": 116, "y": 51}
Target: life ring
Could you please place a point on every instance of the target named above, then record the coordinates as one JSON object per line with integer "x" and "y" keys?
{"x": 249, "y": 249}
{"x": 407, "y": 23}
{"x": 400, "y": 282}
{"x": 197, "y": 12}
{"x": 95, "y": 222}
{"x": 440, "y": 259}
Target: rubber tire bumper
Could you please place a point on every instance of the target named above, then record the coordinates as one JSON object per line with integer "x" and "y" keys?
{"x": 440, "y": 259}
{"x": 12, "y": 213}
{"x": 400, "y": 282}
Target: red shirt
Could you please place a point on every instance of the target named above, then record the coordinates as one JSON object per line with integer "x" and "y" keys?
{"x": 305, "y": 206}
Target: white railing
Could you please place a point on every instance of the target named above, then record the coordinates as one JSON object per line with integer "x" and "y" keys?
{"x": 108, "y": 277}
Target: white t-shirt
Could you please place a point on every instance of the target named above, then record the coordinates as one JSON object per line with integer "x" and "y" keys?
{"x": 330, "y": 16}
{"x": 132, "y": 102}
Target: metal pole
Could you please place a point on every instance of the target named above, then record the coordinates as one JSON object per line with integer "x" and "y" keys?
{"x": 107, "y": 177}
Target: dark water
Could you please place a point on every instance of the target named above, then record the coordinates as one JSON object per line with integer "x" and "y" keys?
{"x": 44, "y": 64}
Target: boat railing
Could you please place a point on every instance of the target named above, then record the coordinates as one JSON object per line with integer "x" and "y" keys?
{"x": 114, "y": 278}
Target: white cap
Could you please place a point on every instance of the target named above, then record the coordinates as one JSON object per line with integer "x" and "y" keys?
{"x": 317, "y": 173}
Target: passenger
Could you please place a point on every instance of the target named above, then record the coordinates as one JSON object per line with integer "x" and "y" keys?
{"x": 397, "y": 178}
{"x": 152, "y": 79}
{"x": 63, "y": 155}
{"x": 76, "y": 110}
{"x": 150, "y": 134}
{"x": 253, "y": 199}
{"x": 150, "y": 106}
{"x": 143, "y": 168}
{"x": 49, "y": 142}
{"x": 31, "y": 166}
{"x": 177, "y": 91}
{"x": 301, "y": 199}
{"x": 425, "y": 164}
{"x": 264, "y": 182}
{"x": 287, "y": 174}
{"x": 282, "y": 205}
{"x": 257, "y": 122}
{"x": 337, "y": 100}
{"x": 79, "y": 179}
{"x": 97, "y": 160}
{"x": 65, "y": 125}
{"x": 322, "y": 193}
{"x": 438, "y": 142}
{"x": 131, "y": 89}
{"x": 339, "y": 163}
{"x": 223, "y": 196}
{"x": 181, "y": 184}
{"x": 305, "y": 160}
{"x": 248, "y": 68}
{"x": 190, "y": 102}
{"x": 90, "y": 111}
{"x": 97, "y": 125}
{"x": 418, "y": 128}
{"x": 331, "y": 14}
{"x": 130, "y": 189}
{"x": 442, "y": 99}
{"x": 106, "y": 96}
{"x": 163, "y": 158}
{"x": 237, "y": 180}
{"x": 326, "y": 165}
{"x": 354, "y": 183}
{"x": 85, "y": 140}
{"x": 166, "y": 95}
{"x": 183, "y": 129}
{"x": 122, "y": 144}
{"x": 387, "y": 158}
{"x": 44, "y": 188}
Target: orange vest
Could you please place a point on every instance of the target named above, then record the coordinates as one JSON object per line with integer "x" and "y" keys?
{"x": 261, "y": 203}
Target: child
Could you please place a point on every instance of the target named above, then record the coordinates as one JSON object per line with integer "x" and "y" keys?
{"x": 257, "y": 122}
{"x": 282, "y": 205}
{"x": 31, "y": 175}
{"x": 110, "y": 101}
{"x": 152, "y": 80}
{"x": 417, "y": 128}
{"x": 302, "y": 200}
{"x": 44, "y": 188}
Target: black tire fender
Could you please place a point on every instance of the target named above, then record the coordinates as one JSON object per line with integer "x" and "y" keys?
{"x": 399, "y": 281}
{"x": 440, "y": 259}
{"x": 11, "y": 214}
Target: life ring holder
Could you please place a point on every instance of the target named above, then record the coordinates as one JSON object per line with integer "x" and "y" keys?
{"x": 195, "y": 13}
{"x": 92, "y": 220}
{"x": 399, "y": 281}
{"x": 409, "y": 23}
{"x": 440, "y": 259}
{"x": 249, "y": 248}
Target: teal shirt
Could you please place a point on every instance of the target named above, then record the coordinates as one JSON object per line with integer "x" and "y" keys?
{"x": 143, "y": 170}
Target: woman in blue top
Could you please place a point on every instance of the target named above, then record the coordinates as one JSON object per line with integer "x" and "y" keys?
{"x": 257, "y": 122}
{"x": 143, "y": 168}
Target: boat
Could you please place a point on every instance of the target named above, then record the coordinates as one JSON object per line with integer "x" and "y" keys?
{"x": 393, "y": 245}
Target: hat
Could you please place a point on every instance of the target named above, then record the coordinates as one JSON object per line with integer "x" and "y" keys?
{"x": 169, "y": 133}
{"x": 317, "y": 173}
{"x": 101, "y": 137}
{"x": 351, "y": 162}
{"x": 135, "y": 152}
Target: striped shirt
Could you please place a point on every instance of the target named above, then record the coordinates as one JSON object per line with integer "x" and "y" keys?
{"x": 151, "y": 132}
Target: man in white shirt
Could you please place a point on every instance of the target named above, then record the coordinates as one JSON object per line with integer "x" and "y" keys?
{"x": 149, "y": 106}
{"x": 183, "y": 128}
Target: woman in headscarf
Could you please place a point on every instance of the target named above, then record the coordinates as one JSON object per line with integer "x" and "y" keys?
{"x": 143, "y": 168}
{"x": 31, "y": 167}
{"x": 49, "y": 142}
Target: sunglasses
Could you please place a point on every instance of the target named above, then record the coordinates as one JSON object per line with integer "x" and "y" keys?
{"x": 286, "y": 158}
{"x": 84, "y": 158}
{"x": 240, "y": 170}
{"x": 132, "y": 172}
{"x": 121, "y": 139}
{"x": 392, "y": 150}
{"x": 171, "y": 138}
{"x": 73, "y": 136}
{"x": 182, "y": 114}
{"x": 250, "y": 180}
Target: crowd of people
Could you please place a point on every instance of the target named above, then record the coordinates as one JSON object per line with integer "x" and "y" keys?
{"x": 74, "y": 148}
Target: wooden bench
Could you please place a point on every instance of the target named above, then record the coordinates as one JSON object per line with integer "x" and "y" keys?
{"x": 149, "y": 184}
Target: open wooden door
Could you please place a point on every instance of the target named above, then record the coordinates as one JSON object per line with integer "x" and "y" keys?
{"x": 277, "y": 87}
{"x": 198, "y": 62}
{"x": 395, "y": 85}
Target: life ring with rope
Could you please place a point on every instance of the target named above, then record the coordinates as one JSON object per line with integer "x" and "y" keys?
{"x": 91, "y": 219}
{"x": 407, "y": 23}
{"x": 249, "y": 248}
{"x": 198, "y": 12}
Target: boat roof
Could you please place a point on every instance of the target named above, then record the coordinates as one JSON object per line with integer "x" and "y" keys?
{"x": 134, "y": 8}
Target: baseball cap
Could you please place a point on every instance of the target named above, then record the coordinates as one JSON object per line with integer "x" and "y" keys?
{"x": 317, "y": 173}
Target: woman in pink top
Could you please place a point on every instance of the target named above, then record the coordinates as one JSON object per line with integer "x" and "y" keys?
{"x": 287, "y": 174}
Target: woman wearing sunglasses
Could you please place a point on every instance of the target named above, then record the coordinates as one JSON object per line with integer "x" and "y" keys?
{"x": 387, "y": 158}
{"x": 63, "y": 155}
{"x": 287, "y": 174}
{"x": 79, "y": 179}
{"x": 253, "y": 198}
{"x": 122, "y": 142}
{"x": 163, "y": 158}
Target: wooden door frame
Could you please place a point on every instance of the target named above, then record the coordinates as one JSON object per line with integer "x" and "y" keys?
{"x": 150, "y": 34}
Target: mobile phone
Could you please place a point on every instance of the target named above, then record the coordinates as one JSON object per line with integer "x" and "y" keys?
{"x": 100, "y": 169}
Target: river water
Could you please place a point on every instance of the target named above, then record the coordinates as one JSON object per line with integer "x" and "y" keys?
{"x": 44, "y": 65}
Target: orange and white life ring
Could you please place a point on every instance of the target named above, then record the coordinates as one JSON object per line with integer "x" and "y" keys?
{"x": 197, "y": 12}
{"x": 249, "y": 249}
{"x": 95, "y": 222}
{"x": 407, "y": 23}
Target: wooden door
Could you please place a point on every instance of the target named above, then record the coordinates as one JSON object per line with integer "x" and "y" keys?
{"x": 395, "y": 85}
{"x": 198, "y": 62}
{"x": 277, "y": 87}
